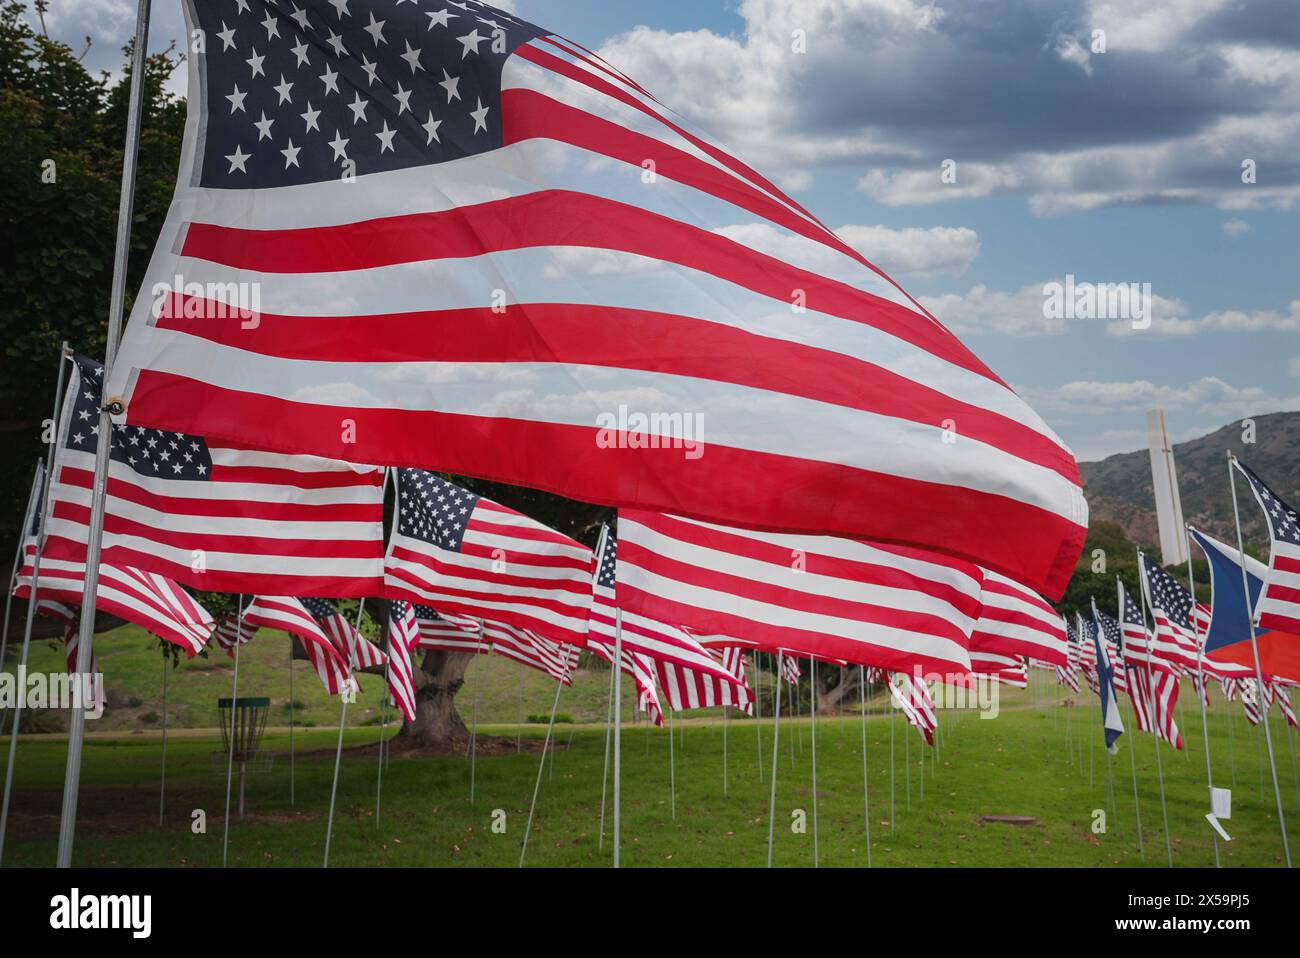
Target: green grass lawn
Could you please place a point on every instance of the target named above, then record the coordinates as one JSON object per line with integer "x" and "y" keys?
{"x": 1034, "y": 760}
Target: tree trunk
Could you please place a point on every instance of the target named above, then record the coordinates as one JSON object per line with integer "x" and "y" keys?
{"x": 437, "y": 681}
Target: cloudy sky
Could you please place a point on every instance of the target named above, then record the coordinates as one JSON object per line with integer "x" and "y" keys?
{"x": 1114, "y": 165}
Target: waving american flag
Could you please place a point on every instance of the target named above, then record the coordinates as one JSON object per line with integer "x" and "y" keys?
{"x": 468, "y": 556}
{"x": 460, "y": 225}
{"x": 213, "y": 516}
{"x": 1278, "y": 605}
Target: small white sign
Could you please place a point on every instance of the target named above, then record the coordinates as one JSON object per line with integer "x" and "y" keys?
{"x": 1221, "y": 802}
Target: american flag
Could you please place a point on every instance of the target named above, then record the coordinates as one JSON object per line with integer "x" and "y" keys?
{"x": 912, "y": 697}
{"x": 1113, "y": 640}
{"x": 790, "y": 670}
{"x": 358, "y": 651}
{"x": 466, "y": 555}
{"x": 1152, "y": 681}
{"x": 1016, "y": 621}
{"x": 1278, "y": 605}
{"x": 290, "y": 615}
{"x": 231, "y": 630}
{"x": 686, "y": 688}
{"x": 1250, "y": 701}
{"x": 556, "y": 659}
{"x": 403, "y": 638}
{"x": 1068, "y": 674}
{"x": 1006, "y": 669}
{"x": 438, "y": 633}
{"x": 151, "y": 601}
{"x": 686, "y": 670}
{"x": 444, "y": 210}
{"x": 1229, "y": 689}
{"x": 834, "y": 598}
{"x": 1171, "y": 608}
{"x": 1283, "y": 697}
{"x": 212, "y": 516}
{"x": 1087, "y": 650}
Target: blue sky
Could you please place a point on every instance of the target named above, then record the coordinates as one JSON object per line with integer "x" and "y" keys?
{"x": 1114, "y": 166}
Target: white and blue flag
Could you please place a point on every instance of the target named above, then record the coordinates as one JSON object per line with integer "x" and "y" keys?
{"x": 1110, "y": 719}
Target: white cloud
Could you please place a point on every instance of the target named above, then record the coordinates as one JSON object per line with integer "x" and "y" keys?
{"x": 1208, "y": 396}
{"x": 1236, "y": 227}
{"x": 1227, "y": 321}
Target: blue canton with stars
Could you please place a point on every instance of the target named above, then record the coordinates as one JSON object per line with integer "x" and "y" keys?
{"x": 319, "y": 609}
{"x": 1282, "y": 520}
{"x": 1167, "y": 594}
{"x": 150, "y": 452}
{"x": 295, "y": 90}
{"x": 433, "y": 510}
{"x": 606, "y": 575}
{"x": 1132, "y": 612}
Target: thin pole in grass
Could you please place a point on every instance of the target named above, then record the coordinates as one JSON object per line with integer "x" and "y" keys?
{"x": 537, "y": 787}
{"x": 776, "y": 736}
{"x": 893, "y": 716}
{"x": 1137, "y": 806}
{"x": 1151, "y": 700}
{"x": 162, "y": 776}
{"x": 604, "y": 776}
{"x": 758, "y": 713}
{"x": 812, "y": 669}
{"x": 1200, "y": 687}
{"x": 866, "y": 792}
{"x": 292, "y": 707}
{"x": 230, "y": 761}
{"x": 338, "y": 752}
{"x": 672, "y": 767}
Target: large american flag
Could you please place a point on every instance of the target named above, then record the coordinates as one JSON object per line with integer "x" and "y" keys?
{"x": 686, "y": 688}
{"x": 1015, "y": 621}
{"x": 467, "y": 555}
{"x": 462, "y": 226}
{"x": 1278, "y": 605}
{"x": 212, "y": 516}
{"x": 687, "y": 672}
{"x": 868, "y": 604}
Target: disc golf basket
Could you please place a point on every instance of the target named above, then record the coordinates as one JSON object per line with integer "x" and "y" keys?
{"x": 242, "y": 722}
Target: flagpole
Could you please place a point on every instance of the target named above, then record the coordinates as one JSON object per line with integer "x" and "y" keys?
{"x": 618, "y": 728}
{"x": 234, "y": 698}
{"x": 162, "y": 778}
{"x": 1137, "y": 805}
{"x": 1151, "y": 698}
{"x": 77, "y": 722}
{"x": 893, "y": 714}
{"x": 758, "y": 713}
{"x": 338, "y": 749}
{"x": 292, "y": 706}
{"x": 812, "y": 669}
{"x": 776, "y": 735}
{"x": 32, "y": 506}
{"x": 33, "y": 596}
{"x": 866, "y": 792}
{"x": 724, "y": 751}
{"x": 1254, "y": 648}
{"x": 672, "y": 767}
{"x": 604, "y": 776}
{"x": 1200, "y": 681}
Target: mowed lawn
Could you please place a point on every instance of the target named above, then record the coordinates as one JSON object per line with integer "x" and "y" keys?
{"x": 1037, "y": 758}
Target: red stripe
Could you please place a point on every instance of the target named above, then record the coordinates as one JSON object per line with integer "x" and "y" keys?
{"x": 555, "y": 218}
{"x": 230, "y": 508}
{"x": 754, "y": 489}
{"x": 494, "y": 583}
{"x": 630, "y": 339}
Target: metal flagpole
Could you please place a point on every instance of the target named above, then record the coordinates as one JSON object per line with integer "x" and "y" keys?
{"x": 1259, "y": 672}
{"x": 758, "y": 713}
{"x": 907, "y": 763}
{"x": 1151, "y": 698}
{"x": 162, "y": 778}
{"x": 32, "y": 497}
{"x": 338, "y": 749}
{"x": 893, "y": 714}
{"x": 812, "y": 663}
{"x": 1200, "y": 682}
{"x": 234, "y": 698}
{"x": 1137, "y": 807}
{"x": 32, "y": 599}
{"x": 618, "y": 729}
{"x": 77, "y": 723}
{"x": 383, "y": 729}
{"x": 724, "y": 751}
{"x": 546, "y": 745}
{"x": 672, "y": 768}
{"x": 776, "y": 735}
{"x": 866, "y": 793}
{"x": 604, "y": 776}
{"x": 292, "y": 706}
